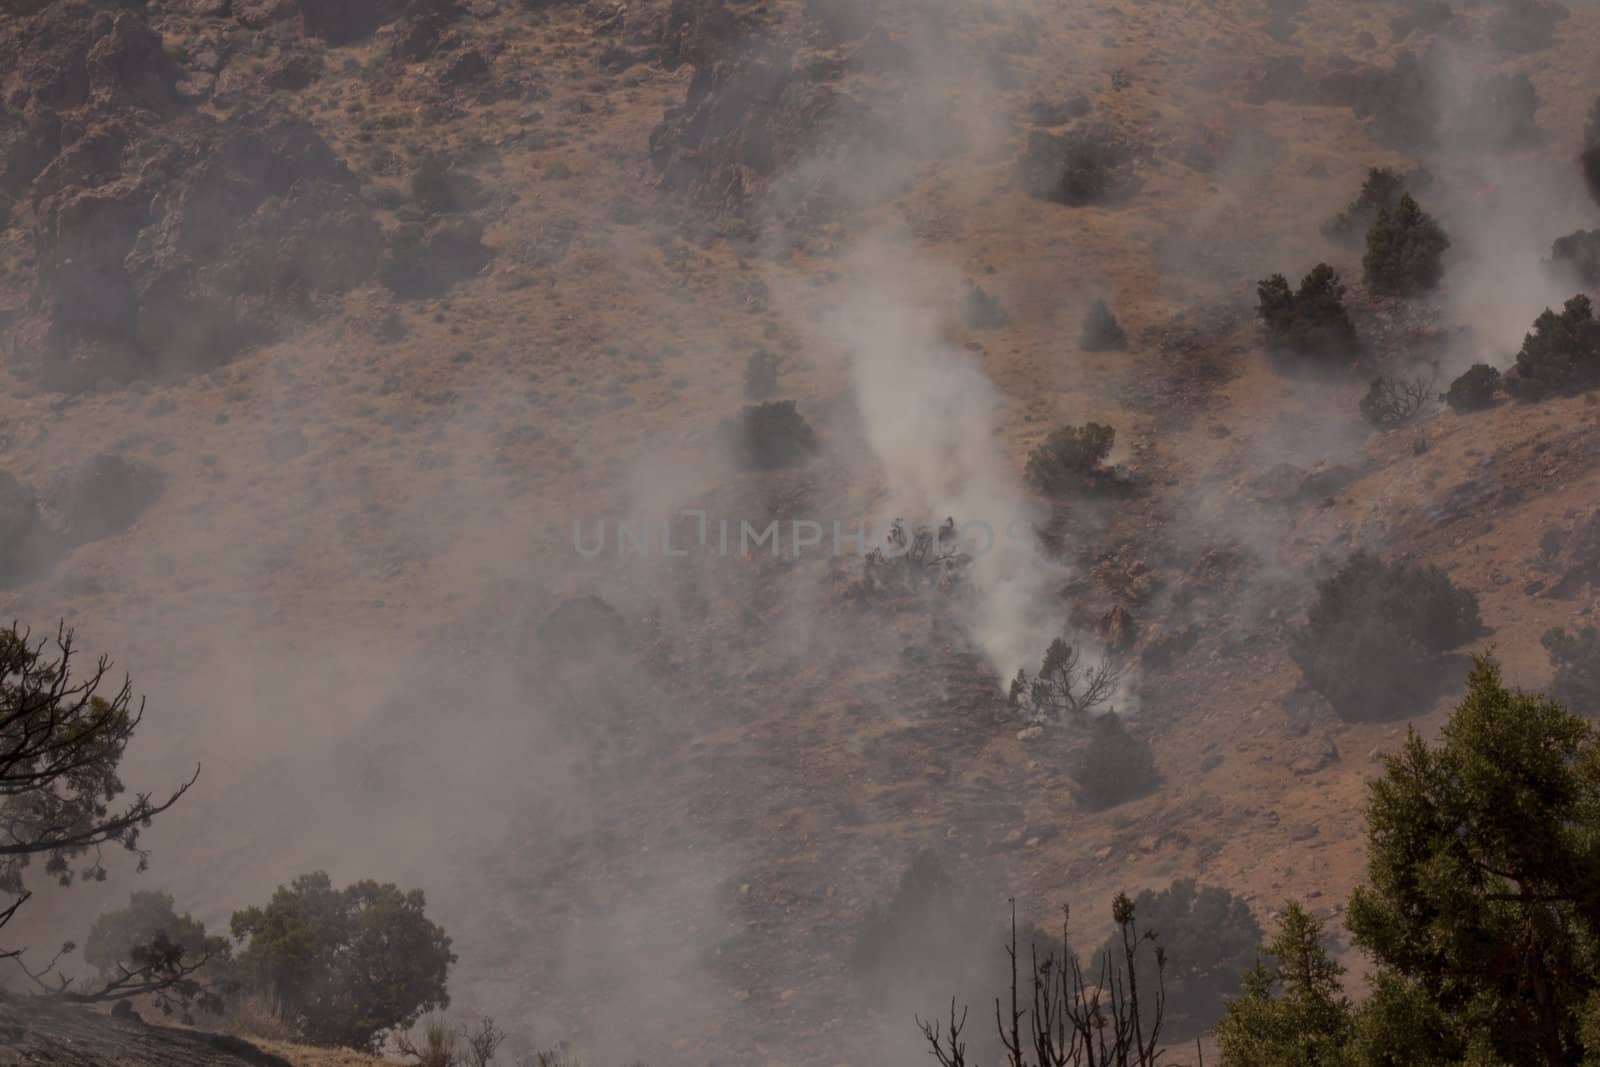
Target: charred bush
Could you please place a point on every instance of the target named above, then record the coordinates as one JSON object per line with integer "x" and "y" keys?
{"x": 770, "y": 435}
{"x": 1101, "y": 332}
{"x": 1576, "y": 659}
{"x": 1376, "y": 635}
{"x": 1561, "y": 355}
{"x": 1114, "y": 767}
{"x": 1474, "y": 390}
{"x": 1070, "y": 459}
{"x": 1576, "y": 257}
{"x": 982, "y": 310}
{"x": 1390, "y": 403}
{"x": 1089, "y": 164}
{"x": 1210, "y": 940}
{"x": 1405, "y": 250}
{"x": 761, "y": 374}
{"x": 917, "y": 561}
{"x": 1310, "y": 323}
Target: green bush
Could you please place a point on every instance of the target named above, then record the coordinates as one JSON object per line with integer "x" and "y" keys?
{"x": 1101, "y": 331}
{"x": 1380, "y": 192}
{"x": 1210, "y": 940}
{"x": 1576, "y": 659}
{"x": 355, "y": 964}
{"x": 1561, "y": 355}
{"x": 770, "y": 435}
{"x": 1114, "y": 767}
{"x": 1376, "y": 633}
{"x": 1405, "y": 250}
{"x": 1479, "y": 907}
{"x": 1474, "y": 390}
{"x": 1070, "y": 458}
{"x": 1311, "y": 323}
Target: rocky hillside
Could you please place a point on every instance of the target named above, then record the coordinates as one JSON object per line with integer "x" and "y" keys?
{"x": 325, "y": 321}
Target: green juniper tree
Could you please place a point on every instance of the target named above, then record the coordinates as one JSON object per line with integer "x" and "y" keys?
{"x": 1482, "y": 903}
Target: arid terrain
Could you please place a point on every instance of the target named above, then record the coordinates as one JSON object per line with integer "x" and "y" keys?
{"x": 312, "y": 441}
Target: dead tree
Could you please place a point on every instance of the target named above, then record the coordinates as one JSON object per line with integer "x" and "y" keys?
{"x": 1065, "y": 687}
{"x": 1071, "y": 1021}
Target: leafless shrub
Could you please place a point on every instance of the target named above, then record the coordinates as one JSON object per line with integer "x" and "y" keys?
{"x": 1390, "y": 403}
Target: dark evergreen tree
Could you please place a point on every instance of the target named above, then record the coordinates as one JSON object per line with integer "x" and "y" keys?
{"x": 1405, "y": 250}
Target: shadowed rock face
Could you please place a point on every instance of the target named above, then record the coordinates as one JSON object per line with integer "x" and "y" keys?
{"x": 167, "y": 239}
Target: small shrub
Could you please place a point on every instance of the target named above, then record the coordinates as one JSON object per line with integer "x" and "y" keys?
{"x": 1380, "y": 192}
{"x": 1101, "y": 331}
{"x": 770, "y": 435}
{"x": 1210, "y": 940}
{"x": 1390, "y": 403}
{"x": 1070, "y": 458}
{"x": 982, "y": 310}
{"x": 1114, "y": 767}
{"x": 1577, "y": 257}
{"x": 1561, "y": 355}
{"x": 1576, "y": 659}
{"x": 761, "y": 374}
{"x": 1088, "y": 164}
{"x": 1311, "y": 323}
{"x": 1377, "y": 632}
{"x": 1474, "y": 390}
{"x": 1405, "y": 249}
